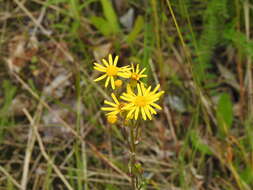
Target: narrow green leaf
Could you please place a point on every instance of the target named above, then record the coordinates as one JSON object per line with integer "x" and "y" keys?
{"x": 239, "y": 40}
{"x": 247, "y": 175}
{"x": 9, "y": 93}
{"x": 56, "y": 2}
{"x": 199, "y": 144}
{"x": 149, "y": 42}
{"x": 224, "y": 114}
{"x": 111, "y": 187}
{"x": 110, "y": 16}
{"x": 74, "y": 9}
{"x": 101, "y": 24}
{"x": 138, "y": 26}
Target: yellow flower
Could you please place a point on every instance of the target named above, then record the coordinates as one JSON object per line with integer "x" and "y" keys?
{"x": 111, "y": 70}
{"x": 115, "y": 108}
{"x": 118, "y": 83}
{"x": 143, "y": 102}
{"x": 112, "y": 118}
{"x": 136, "y": 74}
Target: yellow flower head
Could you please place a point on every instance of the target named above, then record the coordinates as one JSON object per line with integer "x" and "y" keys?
{"x": 136, "y": 74}
{"x": 111, "y": 70}
{"x": 118, "y": 83}
{"x": 143, "y": 102}
{"x": 112, "y": 118}
{"x": 116, "y": 107}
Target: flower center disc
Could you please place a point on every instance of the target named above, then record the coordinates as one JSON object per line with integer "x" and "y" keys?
{"x": 111, "y": 70}
{"x": 140, "y": 101}
{"x": 121, "y": 105}
{"x": 135, "y": 76}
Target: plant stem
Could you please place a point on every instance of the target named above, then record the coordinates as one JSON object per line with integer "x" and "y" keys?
{"x": 132, "y": 158}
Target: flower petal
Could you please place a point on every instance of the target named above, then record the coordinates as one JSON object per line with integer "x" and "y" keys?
{"x": 147, "y": 90}
{"x": 112, "y": 82}
{"x": 156, "y": 88}
{"x": 100, "y": 78}
{"x": 139, "y": 90}
{"x": 156, "y": 106}
{"x": 143, "y": 113}
{"x": 114, "y": 98}
{"x": 130, "y": 112}
{"x": 142, "y": 76}
{"x": 105, "y": 62}
{"x": 147, "y": 112}
{"x": 125, "y": 98}
{"x": 110, "y": 59}
{"x": 128, "y": 106}
{"x": 110, "y": 103}
{"x": 136, "y": 113}
{"x": 100, "y": 66}
{"x": 124, "y": 74}
{"x": 151, "y": 110}
{"x": 142, "y": 71}
{"x": 107, "y": 81}
{"x": 99, "y": 69}
{"x": 116, "y": 60}
{"x": 108, "y": 109}
{"x": 113, "y": 112}
{"x": 137, "y": 68}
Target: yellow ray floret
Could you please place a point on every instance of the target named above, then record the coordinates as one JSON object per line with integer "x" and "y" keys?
{"x": 136, "y": 73}
{"x": 141, "y": 103}
{"x": 116, "y": 106}
{"x": 110, "y": 70}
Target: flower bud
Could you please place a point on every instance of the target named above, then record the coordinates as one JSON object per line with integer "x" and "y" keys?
{"x": 112, "y": 119}
{"x": 118, "y": 83}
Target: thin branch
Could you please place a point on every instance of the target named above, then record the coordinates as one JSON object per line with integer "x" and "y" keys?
{"x": 45, "y": 155}
{"x": 248, "y": 77}
{"x": 10, "y": 177}
{"x": 28, "y": 153}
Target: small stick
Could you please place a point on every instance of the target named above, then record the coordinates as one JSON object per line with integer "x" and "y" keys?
{"x": 28, "y": 153}
{"x": 168, "y": 117}
{"x": 10, "y": 177}
{"x": 45, "y": 155}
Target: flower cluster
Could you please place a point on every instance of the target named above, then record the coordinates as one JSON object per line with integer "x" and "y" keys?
{"x": 138, "y": 99}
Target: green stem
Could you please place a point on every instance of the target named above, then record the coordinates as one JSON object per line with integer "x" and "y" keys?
{"x": 132, "y": 158}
